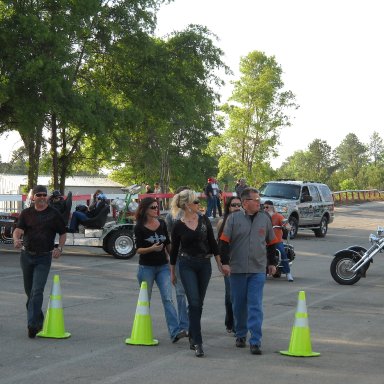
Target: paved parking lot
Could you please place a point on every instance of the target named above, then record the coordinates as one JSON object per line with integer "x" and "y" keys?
{"x": 100, "y": 296}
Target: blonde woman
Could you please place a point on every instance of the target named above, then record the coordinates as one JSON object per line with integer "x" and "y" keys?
{"x": 193, "y": 242}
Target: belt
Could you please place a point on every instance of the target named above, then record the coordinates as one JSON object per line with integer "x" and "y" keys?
{"x": 34, "y": 253}
{"x": 201, "y": 257}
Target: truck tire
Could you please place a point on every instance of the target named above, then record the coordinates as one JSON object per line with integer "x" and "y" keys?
{"x": 121, "y": 244}
{"x": 294, "y": 227}
{"x": 323, "y": 229}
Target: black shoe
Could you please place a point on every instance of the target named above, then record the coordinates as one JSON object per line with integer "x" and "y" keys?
{"x": 255, "y": 349}
{"x": 199, "y": 350}
{"x": 240, "y": 342}
{"x": 191, "y": 344}
{"x": 179, "y": 336}
{"x": 32, "y": 332}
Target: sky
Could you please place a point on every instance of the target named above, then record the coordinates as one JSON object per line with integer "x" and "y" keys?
{"x": 330, "y": 51}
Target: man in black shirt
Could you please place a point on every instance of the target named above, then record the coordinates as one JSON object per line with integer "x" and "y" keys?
{"x": 35, "y": 234}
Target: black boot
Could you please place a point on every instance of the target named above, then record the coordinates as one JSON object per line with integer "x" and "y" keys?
{"x": 199, "y": 350}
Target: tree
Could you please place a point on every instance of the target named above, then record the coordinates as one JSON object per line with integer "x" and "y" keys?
{"x": 257, "y": 110}
{"x": 50, "y": 53}
{"x": 174, "y": 106}
{"x": 351, "y": 156}
{"x": 376, "y": 148}
{"x": 316, "y": 163}
{"x": 18, "y": 165}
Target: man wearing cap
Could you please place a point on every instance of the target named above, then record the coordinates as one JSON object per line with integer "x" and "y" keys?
{"x": 35, "y": 234}
{"x": 63, "y": 206}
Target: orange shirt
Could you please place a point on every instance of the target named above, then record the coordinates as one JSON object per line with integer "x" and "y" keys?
{"x": 277, "y": 219}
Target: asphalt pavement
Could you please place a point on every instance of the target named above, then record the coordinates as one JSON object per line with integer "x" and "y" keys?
{"x": 100, "y": 297}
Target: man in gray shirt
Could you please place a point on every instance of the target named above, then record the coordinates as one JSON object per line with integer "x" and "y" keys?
{"x": 244, "y": 257}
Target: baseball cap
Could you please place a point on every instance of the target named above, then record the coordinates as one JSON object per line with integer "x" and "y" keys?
{"x": 40, "y": 189}
{"x": 56, "y": 193}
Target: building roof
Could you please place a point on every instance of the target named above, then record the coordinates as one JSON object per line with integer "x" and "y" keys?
{"x": 13, "y": 182}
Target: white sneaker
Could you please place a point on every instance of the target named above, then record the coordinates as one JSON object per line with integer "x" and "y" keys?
{"x": 289, "y": 277}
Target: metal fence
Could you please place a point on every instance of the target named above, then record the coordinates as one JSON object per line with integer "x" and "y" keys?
{"x": 10, "y": 203}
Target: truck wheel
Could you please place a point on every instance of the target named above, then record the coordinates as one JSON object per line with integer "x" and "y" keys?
{"x": 121, "y": 244}
{"x": 294, "y": 227}
{"x": 323, "y": 229}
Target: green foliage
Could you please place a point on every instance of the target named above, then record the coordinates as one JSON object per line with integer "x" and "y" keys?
{"x": 316, "y": 163}
{"x": 348, "y": 184}
{"x": 50, "y": 55}
{"x": 257, "y": 111}
{"x": 18, "y": 164}
{"x": 171, "y": 103}
{"x": 352, "y": 155}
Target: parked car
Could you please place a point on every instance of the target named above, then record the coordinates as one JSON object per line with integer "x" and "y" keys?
{"x": 306, "y": 204}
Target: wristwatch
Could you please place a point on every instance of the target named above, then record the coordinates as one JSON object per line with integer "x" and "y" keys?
{"x": 60, "y": 249}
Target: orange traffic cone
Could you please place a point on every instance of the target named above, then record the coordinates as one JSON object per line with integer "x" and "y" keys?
{"x": 53, "y": 326}
{"x": 300, "y": 344}
{"x": 142, "y": 325}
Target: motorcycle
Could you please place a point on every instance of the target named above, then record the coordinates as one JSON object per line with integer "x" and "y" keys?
{"x": 351, "y": 264}
{"x": 289, "y": 251}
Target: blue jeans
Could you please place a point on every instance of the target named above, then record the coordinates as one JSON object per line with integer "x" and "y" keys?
{"x": 195, "y": 276}
{"x": 217, "y": 205}
{"x": 162, "y": 275}
{"x": 284, "y": 258}
{"x": 211, "y": 201}
{"x": 247, "y": 302}
{"x": 181, "y": 300}
{"x": 77, "y": 217}
{"x": 35, "y": 273}
{"x": 229, "y": 324}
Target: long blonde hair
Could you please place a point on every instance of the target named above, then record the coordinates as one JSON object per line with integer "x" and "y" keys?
{"x": 180, "y": 201}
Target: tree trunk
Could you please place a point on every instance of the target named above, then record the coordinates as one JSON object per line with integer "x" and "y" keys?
{"x": 33, "y": 145}
{"x": 55, "y": 160}
{"x": 164, "y": 174}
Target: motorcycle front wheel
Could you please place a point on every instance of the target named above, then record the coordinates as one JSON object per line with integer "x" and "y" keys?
{"x": 340, "y": 267}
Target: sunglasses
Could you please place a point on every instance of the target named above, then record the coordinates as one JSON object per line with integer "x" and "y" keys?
{"x": 235, "y": 204}
{"x": 153, "y": 207}
{"x": 196, "y": 201}
{"x": 266, "y": 206}
{"x": 253, "y": 199}
{"x": 40, "y": 194}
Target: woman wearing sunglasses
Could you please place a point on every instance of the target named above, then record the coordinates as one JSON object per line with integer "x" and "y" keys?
{"x": 193, "y": 242}
{"x": 152, "y": 242}
{"x": 232, "y": 204}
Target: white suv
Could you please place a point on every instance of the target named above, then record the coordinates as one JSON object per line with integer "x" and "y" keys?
{"x": 305, "y": 204}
